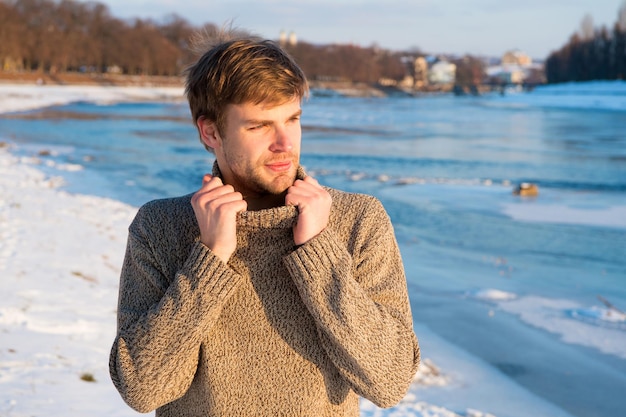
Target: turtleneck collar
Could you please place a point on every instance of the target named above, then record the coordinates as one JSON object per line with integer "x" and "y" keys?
{"x": 273, "y": 218}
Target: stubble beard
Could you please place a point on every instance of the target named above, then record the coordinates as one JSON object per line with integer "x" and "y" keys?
{"x": 261, "y": 184}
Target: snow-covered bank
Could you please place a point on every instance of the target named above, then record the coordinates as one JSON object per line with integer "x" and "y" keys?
{"x": 14, "y": 97}
{"x": 59, "y": 260}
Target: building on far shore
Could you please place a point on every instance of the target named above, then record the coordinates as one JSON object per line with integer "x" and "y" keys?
{"x": 442, "y": 72}
{"x": 425, "y": 73}
{"x": 517, "y": 68}
{"x": 516, "y": 57}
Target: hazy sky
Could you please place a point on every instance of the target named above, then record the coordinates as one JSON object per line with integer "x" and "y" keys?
{"x": 478, "y": 27}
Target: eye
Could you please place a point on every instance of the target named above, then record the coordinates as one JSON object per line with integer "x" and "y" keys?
{"x": 257, "y": 126}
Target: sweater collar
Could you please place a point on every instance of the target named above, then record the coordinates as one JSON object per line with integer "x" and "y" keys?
{"x": 274, "y": 218}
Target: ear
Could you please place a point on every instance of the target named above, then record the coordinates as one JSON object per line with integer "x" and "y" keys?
{"x": 209, "y": 134}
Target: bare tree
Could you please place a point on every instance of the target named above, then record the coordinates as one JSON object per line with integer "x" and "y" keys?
{"x": 179, "y": 32}
{"x": 470, "y": 71}
{"x": 11, "y": 32}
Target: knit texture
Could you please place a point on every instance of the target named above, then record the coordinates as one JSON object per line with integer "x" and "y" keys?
{"x": 279, "y": 330}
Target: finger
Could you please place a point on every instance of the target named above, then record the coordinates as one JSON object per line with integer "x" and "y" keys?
{"x": 211, "y": 199}
{"x": 206, "y": 178}
{"x": 208, "y": 183}
{"x": 294, "y": 195}
{"x": 236, "y": 205}
{"x": 227, "y": 204}
{"x": 211, "y": 182}
{"x": 211, "y": 190}
{"x": 300, "y": 186}
{"x": 305, "y": 188}
{"x": 308, "y": 184}
{"x": 219, "y": 197}
{"x": 297, "y": 196}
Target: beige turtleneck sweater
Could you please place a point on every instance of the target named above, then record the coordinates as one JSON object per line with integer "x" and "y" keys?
{"x": 279, "y": 330}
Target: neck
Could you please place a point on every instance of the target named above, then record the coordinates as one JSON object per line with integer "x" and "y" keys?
{"x": 265, "y": 201}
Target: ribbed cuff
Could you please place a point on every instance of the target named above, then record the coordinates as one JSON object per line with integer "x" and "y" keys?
{"x": 311, "y": 262}
{"x": 209, "y": 272}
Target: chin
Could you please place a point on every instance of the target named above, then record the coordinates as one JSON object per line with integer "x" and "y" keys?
{"x": 281, "y": 183}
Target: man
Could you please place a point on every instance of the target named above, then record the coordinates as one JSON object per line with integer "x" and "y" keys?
{"x": 263, "y": 293}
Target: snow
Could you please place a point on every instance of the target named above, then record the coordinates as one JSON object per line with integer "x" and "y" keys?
{"x": 492, "y": 294}
{"x": 59, "y": 259}
{"x": 17, "y": 98}
{"x": 613, "y": 216}
{"x": 591, "y": 326}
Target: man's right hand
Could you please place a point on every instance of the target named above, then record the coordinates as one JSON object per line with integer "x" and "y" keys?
{"x": 216, "y": 206}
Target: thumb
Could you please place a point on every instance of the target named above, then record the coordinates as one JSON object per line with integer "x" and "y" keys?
{"x": 206, "y": 178}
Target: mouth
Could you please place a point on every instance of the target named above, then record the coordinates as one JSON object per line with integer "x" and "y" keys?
{"x": 279, "y": 166}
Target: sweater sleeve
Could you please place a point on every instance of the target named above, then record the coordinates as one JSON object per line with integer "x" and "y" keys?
{"x": 161, "y": 321}
{"x": 360, "y": 304}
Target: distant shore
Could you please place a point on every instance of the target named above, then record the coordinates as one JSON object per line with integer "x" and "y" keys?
{"x": 341, "y": 87}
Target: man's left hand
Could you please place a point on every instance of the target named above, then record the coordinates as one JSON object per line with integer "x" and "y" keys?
{"x": 313, "y": 203}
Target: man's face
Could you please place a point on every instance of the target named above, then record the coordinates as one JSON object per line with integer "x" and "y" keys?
{"x": 258, "y": 151}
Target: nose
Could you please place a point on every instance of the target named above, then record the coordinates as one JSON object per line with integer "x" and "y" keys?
{"x": 282, "y": 141}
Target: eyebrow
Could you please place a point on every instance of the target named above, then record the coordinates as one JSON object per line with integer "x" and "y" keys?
{"x": 261, "y": 121}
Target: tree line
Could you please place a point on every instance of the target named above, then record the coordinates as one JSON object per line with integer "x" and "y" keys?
{"x": 347, "y": 62}
{"x": 69, "y": 36}
{"x": 591, "y": 54}
{"x": 57, "y": 36}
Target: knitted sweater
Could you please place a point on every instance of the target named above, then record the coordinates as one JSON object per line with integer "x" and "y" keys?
{"x": 278, "y": 331}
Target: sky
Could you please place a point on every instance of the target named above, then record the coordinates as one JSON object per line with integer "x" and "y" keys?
{"x": 476, "y": 27}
